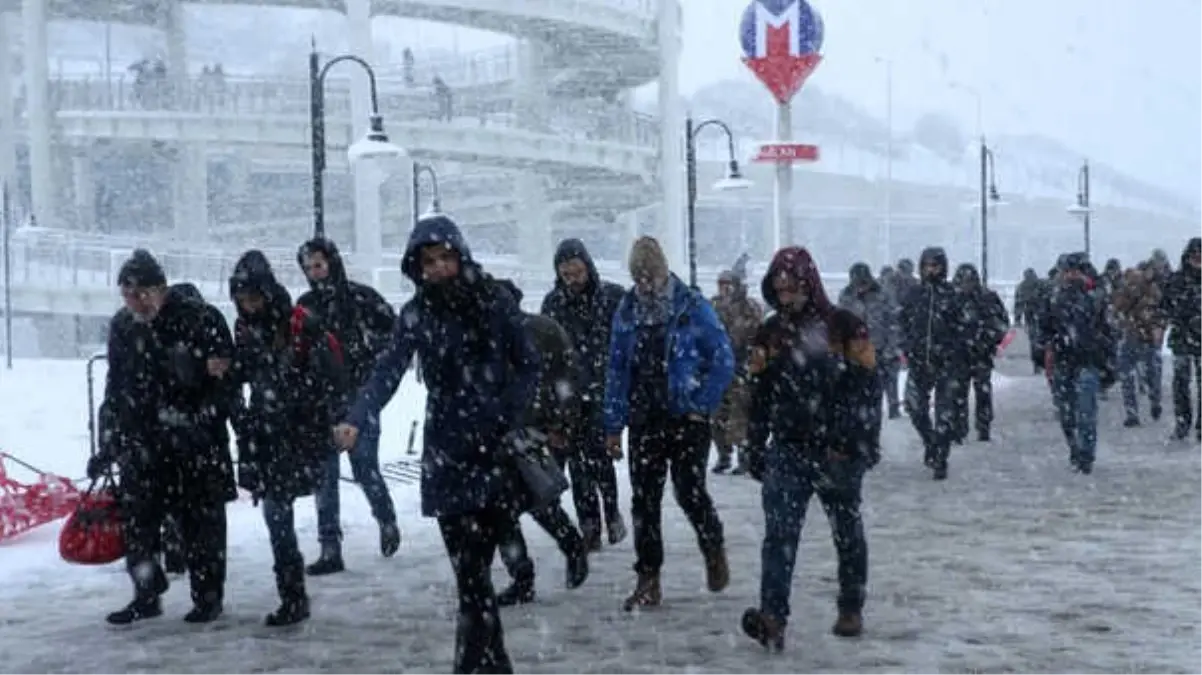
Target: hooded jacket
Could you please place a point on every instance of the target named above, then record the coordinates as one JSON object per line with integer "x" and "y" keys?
{"x": 1137, "y": 305}
{"x": 297, "y": 387}
{"x": 481, "y": 374}
{"x": 1074, "y": 324}
{"x": 698, "y": 359}
{"x": 740, "y": 315}
{"x": 1183, "y": 302}
{"x": 934, "y": 329}
{"x": 986, "y": 320}
{"x": 356, "y": 313}
{"x": 588, "y": 319}
{"x": 868, "y": 300}
{"x": 815, "y": 386}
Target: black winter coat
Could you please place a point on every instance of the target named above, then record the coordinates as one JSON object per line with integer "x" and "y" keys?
{"x": 588, "y": 319}
{"x": 1182, "y": 303}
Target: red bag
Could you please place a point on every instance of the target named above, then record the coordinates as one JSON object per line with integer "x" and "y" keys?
{"x": 93, "y": 534}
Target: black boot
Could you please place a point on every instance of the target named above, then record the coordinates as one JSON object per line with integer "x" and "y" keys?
{"x": 330, "y": 561}
{"x": 577, "y": 570}
{"x": 390, "y": 539}
{"x": 204, "y": 613}
{"x": 616, "y": 527}
{"x": 146, "y": 607}
{"x": 519, "y": 592}
{"x": 764, "y": 629}
{"x": 294, "y": 602}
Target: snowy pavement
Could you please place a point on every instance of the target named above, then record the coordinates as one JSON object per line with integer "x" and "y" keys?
{"x": 1015, "y": 564}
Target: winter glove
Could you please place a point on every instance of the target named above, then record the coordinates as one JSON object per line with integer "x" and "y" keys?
{"x": 98, "y": 465}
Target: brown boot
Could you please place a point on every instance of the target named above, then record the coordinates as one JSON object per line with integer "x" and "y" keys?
{"x": 849, "y": 624}
{"x": 717, "y": 571}
{"x": 646, "y": 593}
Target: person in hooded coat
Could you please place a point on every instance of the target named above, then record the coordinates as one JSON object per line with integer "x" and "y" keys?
{"x": 1183, "y": 304}
{"x": 297, "y": 387}
{"x": 741, "y": 316}
{"x": 868, "y": 300}
{"x": 1025, "y": 299}
{"x": 817, "y": 396}
{"x": 670, "y": 362}
{"x": 362, "y": 320}
{"x": 987, "y": 324}
{"x": 554, "y": 411}
{"x": 175, "y": 441}
{"x": 584, "y": 305}
{"x": 934, "y": 336}
{"x": 904, "y": 279}
{"x": 1078, "y": 347}
{"x": 1139, "y": 317}
{"x": 481, "y": 373}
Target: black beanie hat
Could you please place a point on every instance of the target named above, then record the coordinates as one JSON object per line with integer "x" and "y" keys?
{"x": 141, "y": 271}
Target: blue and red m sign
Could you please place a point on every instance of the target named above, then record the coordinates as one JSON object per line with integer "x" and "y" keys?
{"x": 781, "y": 40}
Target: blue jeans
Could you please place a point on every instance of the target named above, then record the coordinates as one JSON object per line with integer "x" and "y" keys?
{"x": 1076, "y": 395}
{"x": 1139, "y": 362}
{"x": 281, "y": 531}
{"x": 365, "y": 467}
{"x": 789, "y": 482}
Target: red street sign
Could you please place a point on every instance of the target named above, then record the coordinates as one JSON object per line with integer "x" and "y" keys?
{"x": 787, "y": 152}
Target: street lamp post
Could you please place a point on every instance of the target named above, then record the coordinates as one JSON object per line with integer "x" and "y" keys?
{"x": 734, "y": 180}
{"x": 6, "y": 215}
{"x": 374, "y": 145}
{"x": 989, "y": 194}
{"x": 1082, "y": 206}
{"x": 435, "y": 196}
{"x": 887, "y": 235}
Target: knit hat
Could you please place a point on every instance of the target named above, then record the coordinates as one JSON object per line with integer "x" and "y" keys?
{"x": 141, "y": 271}
{"x": 647, "y": 260}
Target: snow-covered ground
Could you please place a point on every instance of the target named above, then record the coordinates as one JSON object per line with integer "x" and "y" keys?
{"x": 1014, "y": 564}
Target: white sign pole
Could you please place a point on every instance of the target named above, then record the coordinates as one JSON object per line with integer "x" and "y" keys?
{"x": 782, "y": 193}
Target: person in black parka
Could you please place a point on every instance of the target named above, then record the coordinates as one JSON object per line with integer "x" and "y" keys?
{"x": 1182, "y": 302}
{"x": 173, "y": 421}
{"x": 362, "y": 320}
{"x": 297, "y": 389}
{"x": 987, "y": 323}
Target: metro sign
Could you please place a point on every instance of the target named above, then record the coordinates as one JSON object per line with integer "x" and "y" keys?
{"x": 781, "y": 40}
{"x": 787, "y": 152}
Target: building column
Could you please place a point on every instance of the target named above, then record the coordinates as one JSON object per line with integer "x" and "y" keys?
{"x": 367, "y": 176}
{"x": 190, "y": 193}
{"x": 535, "y": 241}
{"x": 84, "y": 191}
{"x": 632, "y": 232}
{"x": 671, "y": 157}
{"x": 177, "y": 54}
{"x": 38, "y": 112}
{"x": 530, "y": 86}
{"x": 8, "y": 133}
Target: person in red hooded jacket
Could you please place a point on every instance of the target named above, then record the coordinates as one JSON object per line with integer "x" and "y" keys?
{"x": 817, "y": 395}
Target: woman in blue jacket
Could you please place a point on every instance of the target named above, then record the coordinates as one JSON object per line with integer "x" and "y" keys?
{"x": 481, "y": 373}
{"x": 670, "y": 362}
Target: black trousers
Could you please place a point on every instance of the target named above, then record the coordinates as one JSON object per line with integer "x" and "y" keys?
{"x": 977, "y": 378}
{"x": 1183, "y": 411}
{"x": 555, "y": 521}
{"x": 471, "y": 540}
{"x": 921, "y": 384}
{"x": 888, "y": 372}
{"x": 202, "y": 530}
{"x": 592, "y": 473}
{"x": 678, "y": 446}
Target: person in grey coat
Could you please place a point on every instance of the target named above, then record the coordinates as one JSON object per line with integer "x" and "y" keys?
{"x": 869, "y": 301}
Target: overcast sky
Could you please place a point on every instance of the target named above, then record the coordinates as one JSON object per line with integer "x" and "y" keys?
{"x": 1119, "y": 80}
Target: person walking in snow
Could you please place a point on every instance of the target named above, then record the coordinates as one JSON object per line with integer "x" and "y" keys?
{"x": 868, "y": 300}
{"x": 934, "y": 335}
{"x": 1139, "y": 317}
{"x": 362, "y": 320}
{"x": 987, "y": 324}
{"x": 741, "y": 316}
{"x": 818, "y": 398}
{"x": 670, "y": 362}
{"x": 1183, "y": 303}
{"x": 175, "y": 440}
{"x": 584, "y": 305}
{"x": 481, "y": 373}
{"x": 1078, "y": 348}
{"x": 297, "y": 386}
{"x": 551, "y": 416}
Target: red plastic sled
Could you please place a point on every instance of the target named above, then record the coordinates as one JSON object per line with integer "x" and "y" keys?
{"x": 26, "y": 506}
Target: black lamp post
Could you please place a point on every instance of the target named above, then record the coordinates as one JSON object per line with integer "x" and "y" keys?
{"x": 435, "y": 196}
{"x": 374, "y": 145}
{"x": 734, "y": 180}
{"x": 989, "y": 194}
{"x": 6, "y": 215}
{"x": 1082, "y": 208}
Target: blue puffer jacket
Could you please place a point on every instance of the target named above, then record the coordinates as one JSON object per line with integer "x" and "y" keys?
{"x": 480, "y": 370}
{"x": 701, "y": 363}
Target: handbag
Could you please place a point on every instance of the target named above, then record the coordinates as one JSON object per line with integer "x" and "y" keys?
{"x": 542, "y": 479}
{"x": 93, "y": 534}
